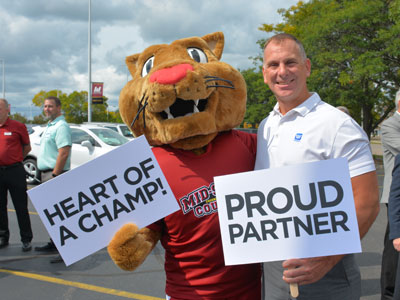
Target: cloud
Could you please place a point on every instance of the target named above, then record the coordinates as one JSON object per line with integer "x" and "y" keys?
{"x": 44, "y": 43}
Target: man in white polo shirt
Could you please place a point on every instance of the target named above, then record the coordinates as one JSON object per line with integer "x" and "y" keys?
{"x": 302, "y": 128}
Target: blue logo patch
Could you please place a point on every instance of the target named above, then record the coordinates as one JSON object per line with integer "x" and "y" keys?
{"x": 298, "y": 137}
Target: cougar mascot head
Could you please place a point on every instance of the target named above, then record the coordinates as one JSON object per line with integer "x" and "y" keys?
{"x": 186, "y": 102}
{"x": 181, "y": 94}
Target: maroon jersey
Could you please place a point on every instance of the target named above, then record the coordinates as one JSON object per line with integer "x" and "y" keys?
{"x": 194, "y": 261}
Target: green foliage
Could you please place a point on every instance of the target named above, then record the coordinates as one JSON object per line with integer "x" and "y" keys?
{"x": 260, "y": 100}
{"x": 39, "y": 119}
{"x": 354, "y": 49}
{"x": 75, "y": 107}
{"x": 19, "y": 117}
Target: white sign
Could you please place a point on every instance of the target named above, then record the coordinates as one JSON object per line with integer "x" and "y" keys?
{"x": 82, "y": 209}
{"x": 298, "y": 211}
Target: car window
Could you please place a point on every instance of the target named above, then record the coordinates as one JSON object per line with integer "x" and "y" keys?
{"x": 112, "y": 128}
{"x": 109, "y": 137}
{"x": 125, "y": 131}
{"x": 29, "y": 128}
{"x": 78, "y": 136}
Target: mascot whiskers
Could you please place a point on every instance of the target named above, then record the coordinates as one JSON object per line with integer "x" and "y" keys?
{"x": 186, "y": 102}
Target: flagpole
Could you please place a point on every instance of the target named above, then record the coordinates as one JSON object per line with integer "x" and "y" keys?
{"x": 89, "y": 68}
{"x": 4, "y": 76}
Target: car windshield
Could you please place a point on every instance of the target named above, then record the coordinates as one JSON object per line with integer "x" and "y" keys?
{"x": 29, "y": 128}
{"x": 126, "y": 132}
{"x": 109, "y": 137}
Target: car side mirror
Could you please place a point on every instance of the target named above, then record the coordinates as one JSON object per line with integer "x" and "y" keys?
{"x": 87, "y": 144}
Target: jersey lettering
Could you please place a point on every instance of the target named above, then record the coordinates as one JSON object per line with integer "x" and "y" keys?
{"x": 201, "y": 201}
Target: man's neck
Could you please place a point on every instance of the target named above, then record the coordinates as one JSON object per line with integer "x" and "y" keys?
{"x": 286, "y": 106}
{"x": 51, "y": 120}
{"x": 2, "y": 122}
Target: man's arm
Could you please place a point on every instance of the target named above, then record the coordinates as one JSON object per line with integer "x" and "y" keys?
{"x": 390, "y": 136}
{"x": 366, "y": 199}
{"x": 26, "y": 149}
{"x": 61, "y": 159}
{"x": 394, "y": 205}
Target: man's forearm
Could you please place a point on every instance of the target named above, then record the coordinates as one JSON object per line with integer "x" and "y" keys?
{"x": 25, "y": 150}
{"x": 62, "y": 157}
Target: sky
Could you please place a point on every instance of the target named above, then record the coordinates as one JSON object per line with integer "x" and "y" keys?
{"x": 44, "y": 43}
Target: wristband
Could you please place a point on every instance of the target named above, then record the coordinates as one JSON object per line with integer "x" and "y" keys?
{"x": 54, "y": 175}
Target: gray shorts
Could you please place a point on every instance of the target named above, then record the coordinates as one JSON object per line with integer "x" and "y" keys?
{"x": 342, "y": 282}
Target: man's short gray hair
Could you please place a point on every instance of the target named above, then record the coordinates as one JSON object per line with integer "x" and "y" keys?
{"x": 5, "y": 101}
{"x": 397, "y": 99}
{"x": 280, "y": 37}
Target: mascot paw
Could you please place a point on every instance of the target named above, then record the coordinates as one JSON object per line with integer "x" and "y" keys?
{"x": 130, "y": 246}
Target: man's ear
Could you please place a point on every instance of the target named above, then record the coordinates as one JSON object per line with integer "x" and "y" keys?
{"x": 131, "y": 63}
{"x": 264, "y": 72}
{"x": 308, "y": 66}
{"x": 216, "y": 43}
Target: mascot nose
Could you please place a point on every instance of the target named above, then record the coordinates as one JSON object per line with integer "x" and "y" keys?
{"x": 171, "y": 75}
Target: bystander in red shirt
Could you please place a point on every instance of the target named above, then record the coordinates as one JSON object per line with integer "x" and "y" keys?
{"x": 12, "y": 135}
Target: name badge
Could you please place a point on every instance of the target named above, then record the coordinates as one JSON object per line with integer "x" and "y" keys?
{"x": 7, "y": 133}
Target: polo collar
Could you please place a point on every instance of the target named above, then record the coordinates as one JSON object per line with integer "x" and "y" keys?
{"x": 51, "y": 123}
{"x": 302, "y": 109}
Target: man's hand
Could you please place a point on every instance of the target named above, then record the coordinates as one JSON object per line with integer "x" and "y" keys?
{"x": 308, "y": 270}
{"x": 396, "y": 244}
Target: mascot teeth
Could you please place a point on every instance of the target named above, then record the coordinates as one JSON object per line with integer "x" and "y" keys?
{"x": 182, "y": 108}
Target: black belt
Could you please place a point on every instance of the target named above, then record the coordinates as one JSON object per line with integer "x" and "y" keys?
{"x": 51, "y": 170}
{"x": 10, "y": 166}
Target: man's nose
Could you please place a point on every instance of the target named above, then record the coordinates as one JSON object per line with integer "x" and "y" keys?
{"x": 282, "y": 70}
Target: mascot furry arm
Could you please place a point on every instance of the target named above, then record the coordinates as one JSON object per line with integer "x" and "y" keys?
{"x": 186, "y": 101}
{"x": 130, "y": 246}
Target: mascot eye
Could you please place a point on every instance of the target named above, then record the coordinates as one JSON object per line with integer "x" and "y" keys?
{"x": 197, "y": 54}
{"x": 147, "y": 66}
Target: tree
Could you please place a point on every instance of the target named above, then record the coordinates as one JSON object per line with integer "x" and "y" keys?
{"x": 75, "y": 107}
{"x": 19, "y": 117}
{"x": 39, "y": 119}
{"x": 354, "y": 49}
{"x": 114, "y": 117}
{"x": 260, "y": 99}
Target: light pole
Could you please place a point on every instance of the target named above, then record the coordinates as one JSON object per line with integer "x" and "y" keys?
{"x": 90, "y": 68}
{"x": 127, "y": 72}
{"x": 4, "y": 79}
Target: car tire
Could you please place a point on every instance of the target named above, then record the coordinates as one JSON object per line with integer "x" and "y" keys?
{"x": 32, "y": 171}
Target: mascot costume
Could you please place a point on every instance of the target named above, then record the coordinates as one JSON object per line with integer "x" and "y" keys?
{"x": 186, "y": 102}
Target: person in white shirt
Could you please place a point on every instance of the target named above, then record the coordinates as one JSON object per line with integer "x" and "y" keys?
{"x": 302, "y": 128}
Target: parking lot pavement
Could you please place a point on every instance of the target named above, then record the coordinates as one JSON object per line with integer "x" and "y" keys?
{"x": 376, "y": 147}
{"x": 372, "y": 246}
{"x": 29, "y": 275}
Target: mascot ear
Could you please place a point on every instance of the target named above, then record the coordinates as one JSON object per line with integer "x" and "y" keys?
{"x": 131, "y": 63}
{"x": 216, "y": 43}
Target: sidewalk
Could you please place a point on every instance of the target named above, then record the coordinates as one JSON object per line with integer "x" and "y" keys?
{"x": 376, "y": 147}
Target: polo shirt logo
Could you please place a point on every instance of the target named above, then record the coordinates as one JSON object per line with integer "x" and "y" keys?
{"x": 7, "y": 133}
{"x": 298, "y": 137}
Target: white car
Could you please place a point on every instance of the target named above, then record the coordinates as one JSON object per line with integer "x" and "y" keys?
{"x": 118, "y": 127}
{"x": 88, "y": 142}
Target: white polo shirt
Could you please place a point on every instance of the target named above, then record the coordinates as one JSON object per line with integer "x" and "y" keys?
{"x": 312, "y": 131}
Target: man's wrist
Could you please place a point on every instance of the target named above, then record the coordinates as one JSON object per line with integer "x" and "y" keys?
{"x": 54, "y": 175}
